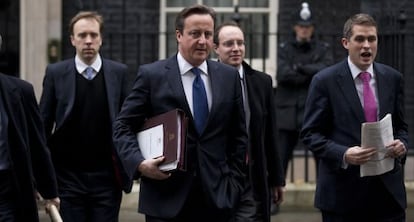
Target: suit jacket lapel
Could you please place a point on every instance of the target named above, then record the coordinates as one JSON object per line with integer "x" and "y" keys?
{"x": 216, "y": 90}
{"x": 347, "y": 85}
{"x": 383, "y": 91}
{"x": 173, "y": 76}
{"x": 10, "y": 100}
{"x": 68, "y": 87}
{"x": 252, "y": 87}
{"x": 112, "y": 94}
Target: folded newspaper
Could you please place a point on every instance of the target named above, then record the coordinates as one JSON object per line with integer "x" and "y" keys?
{"x": 378, "y": 135}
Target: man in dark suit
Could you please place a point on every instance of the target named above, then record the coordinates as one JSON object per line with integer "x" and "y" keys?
{"x": 332, "y": 130}
{"x": 80, "y": 100}
{"x": 212, "y": 184}
{"x": 264, "y": 167}
{"x": 25, "y": 164}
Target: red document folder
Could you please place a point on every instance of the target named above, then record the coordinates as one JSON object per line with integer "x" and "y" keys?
{"x": 165, "y": 135}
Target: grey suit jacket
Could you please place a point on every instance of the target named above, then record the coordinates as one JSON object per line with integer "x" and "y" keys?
{"x": 59, "y": 88}
{"x": 215, "y": 157}
{"x": 333, "y": 118}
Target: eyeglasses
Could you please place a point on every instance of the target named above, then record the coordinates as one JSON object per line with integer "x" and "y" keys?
{"x": 231, "y": 43}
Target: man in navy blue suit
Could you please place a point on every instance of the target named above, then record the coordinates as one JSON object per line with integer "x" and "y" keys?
{"x": 80, "y": 100}
{"x": 25, "y": 164}
{"x": 212, "y": 184}
{"x": 332, "y": 130}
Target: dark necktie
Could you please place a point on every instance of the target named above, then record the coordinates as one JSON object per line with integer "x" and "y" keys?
{"x": 245, "y": 101}
{"x": 89, "y": 73}
{"x": 200, "y": 105}
{"x": 246, "y": 112}
{"x": 370, "y": 106}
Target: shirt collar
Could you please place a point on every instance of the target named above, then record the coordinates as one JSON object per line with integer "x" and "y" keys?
{"x": 81, "y": 66}
{"x": 355, "y": 70}
{"x": 185, "y": 67}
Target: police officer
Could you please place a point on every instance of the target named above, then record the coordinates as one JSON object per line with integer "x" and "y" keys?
{"x": 298, "y": 60}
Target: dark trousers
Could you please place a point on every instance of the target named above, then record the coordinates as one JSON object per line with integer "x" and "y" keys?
{"x": 380, "y": 206}
{"x": 249, "y": 208}
{"x": 362, "y": 217}
{"x": 89, "y": 197}
{"x": 196, "y": 208}
{"x": 7, "y": 197}
{"x": 287, "y": 141}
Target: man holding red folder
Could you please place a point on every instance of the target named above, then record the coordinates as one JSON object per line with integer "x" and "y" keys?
{"x": 210, "y": 95}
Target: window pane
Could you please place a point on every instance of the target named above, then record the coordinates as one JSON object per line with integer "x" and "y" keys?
{"x": 219, "y": 3}
{"x": 255, "y": 3}
{"x": 170, "y": 35}
{"x": 256, "y": 30}
{"x": 180, "y": 3}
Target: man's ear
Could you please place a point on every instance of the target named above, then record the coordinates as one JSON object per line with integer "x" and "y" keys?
{"x": 215, "y": 46}
{"x": 345, "y": 43}
{"x": 178, "y": 35}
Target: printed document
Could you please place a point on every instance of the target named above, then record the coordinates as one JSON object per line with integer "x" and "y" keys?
{"x": 164, "y": 135}
{"x": 378, "y": 135}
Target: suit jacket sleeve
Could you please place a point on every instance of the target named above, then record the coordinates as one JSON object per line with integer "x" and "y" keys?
{"x": 43, "y": 169}
{"x": 274, "y": 162}
{"x": 48, "y": 102}
{"x": 398, "y": 111}
{"x": 318, "y": 124}
{"x": 128, "y": 122}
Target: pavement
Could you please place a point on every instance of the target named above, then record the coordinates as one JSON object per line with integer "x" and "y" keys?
{"x": 297, "y": 205}
{"x": 130, "y": 215}
{"x": 284, "y": 215}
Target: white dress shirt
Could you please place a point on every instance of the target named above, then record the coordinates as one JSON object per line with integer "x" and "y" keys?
{"x": 81, "y": 66}
{"x": 187, "y": 78}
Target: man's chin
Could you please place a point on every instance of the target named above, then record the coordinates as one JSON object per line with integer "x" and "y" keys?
{"x": 201, "y": 56}
{"x": 88, "y": 56}
{"x": 367, "y": 61}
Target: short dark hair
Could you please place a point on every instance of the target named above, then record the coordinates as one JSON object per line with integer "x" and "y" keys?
{"x": 191, "y": 10}
{"x": 358, "y": 19}
{"x": 86, "y": 15}
{"x": 218, "y": 29}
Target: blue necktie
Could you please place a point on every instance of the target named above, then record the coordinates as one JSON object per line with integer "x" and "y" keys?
{"x": 200, "y": 105}
{"x": 89, "y": 73}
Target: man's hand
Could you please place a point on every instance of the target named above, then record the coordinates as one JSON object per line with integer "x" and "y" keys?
{"x": 149, "y": 168}
{"x": 52, "y": 208}
{"x": 277, "y": 194}
{"x": 50, "y": 202}
{"x": 356, "y": 155}
{"x": 396, "y": 149}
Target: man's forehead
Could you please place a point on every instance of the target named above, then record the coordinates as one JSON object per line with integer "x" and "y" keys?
{"x": 364, "y": 28}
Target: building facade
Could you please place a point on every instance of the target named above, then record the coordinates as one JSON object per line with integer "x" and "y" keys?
{"x": 35, "y": 33}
